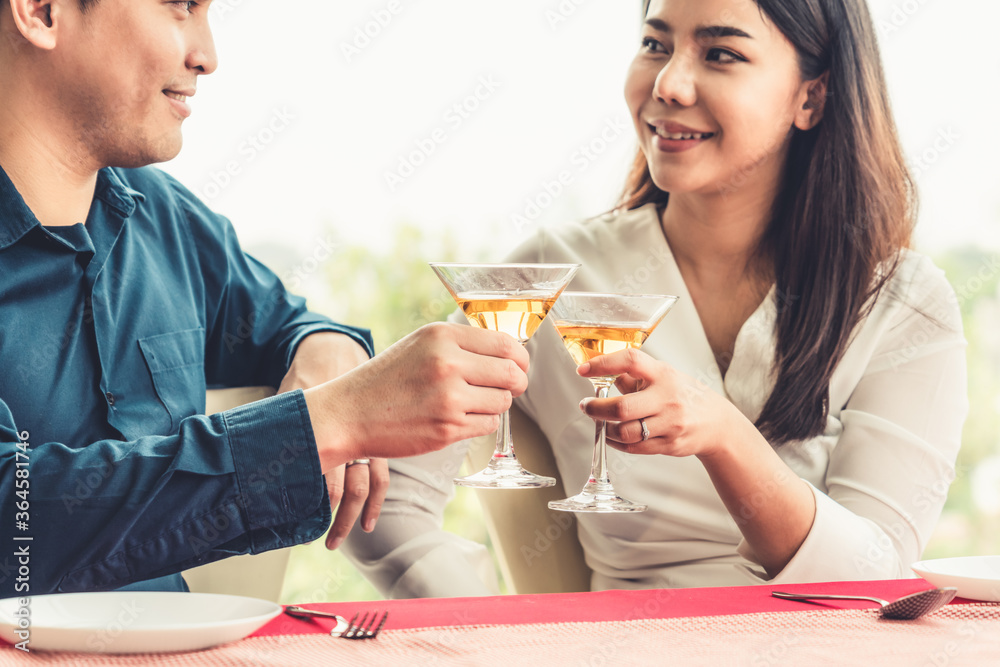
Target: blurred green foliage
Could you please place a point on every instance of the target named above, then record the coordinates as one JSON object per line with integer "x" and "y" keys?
{"x": 393, "y": 291}
{"x": 966, "y": 527}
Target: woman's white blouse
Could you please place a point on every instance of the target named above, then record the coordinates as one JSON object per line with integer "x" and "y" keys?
{"x": 880, "y": 471}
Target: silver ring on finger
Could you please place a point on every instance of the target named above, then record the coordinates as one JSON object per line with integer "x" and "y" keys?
{"x": 645, "y": 430}
{"x": 359, "y": 462}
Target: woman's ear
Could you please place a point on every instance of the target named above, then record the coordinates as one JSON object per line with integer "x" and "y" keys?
{"x": 813, "y": 101}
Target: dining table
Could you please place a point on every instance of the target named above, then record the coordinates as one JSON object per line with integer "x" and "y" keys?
{"x": 681, "y": 626}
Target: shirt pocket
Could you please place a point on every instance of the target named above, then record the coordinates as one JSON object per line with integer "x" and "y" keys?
{"x": 176, "y": 362}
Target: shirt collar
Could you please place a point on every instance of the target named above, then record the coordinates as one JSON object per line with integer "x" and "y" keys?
{"x": 16, "y": 219}
{"x": 15, "y": 216}
{"x": 113, "y": 192}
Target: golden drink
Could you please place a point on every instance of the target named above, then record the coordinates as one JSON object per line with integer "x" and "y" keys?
{"x": 587, "y": 341}
{"x": 518, "y": 316}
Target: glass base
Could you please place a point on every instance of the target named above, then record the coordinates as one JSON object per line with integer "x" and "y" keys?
{"x": 596, "y": 497}
{"x": 506, "y": 475}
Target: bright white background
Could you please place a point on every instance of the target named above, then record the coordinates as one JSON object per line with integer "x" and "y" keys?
{"x": 329, "y": 125}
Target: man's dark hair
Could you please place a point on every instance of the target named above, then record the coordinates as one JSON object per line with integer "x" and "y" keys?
{"x": 87, "y": 4}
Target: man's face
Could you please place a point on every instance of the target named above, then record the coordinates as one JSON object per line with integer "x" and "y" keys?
{"x": 124, "y": 72}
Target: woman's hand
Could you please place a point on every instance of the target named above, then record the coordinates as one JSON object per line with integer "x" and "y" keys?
{"x": 773, "y": 508}
{"x": 683, "y": 416}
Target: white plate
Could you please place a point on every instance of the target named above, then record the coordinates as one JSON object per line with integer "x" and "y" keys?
{"x": 135, "y": 622}
{"x": 975, "y": 577}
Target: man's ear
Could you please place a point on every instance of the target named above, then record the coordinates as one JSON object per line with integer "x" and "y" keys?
{"x": 813, "y": 94}
{"x": 37, "y": 21}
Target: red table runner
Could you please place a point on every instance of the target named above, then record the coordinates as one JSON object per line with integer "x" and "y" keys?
{"x": 706, "y": 626}
{"x": 599, "y": 606}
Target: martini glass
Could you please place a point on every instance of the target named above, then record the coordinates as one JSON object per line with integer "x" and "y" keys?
{"x": 514, "y": 299}
{"x": 593, "y": 324}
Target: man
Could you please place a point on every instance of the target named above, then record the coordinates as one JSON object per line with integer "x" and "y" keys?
{"x": 122, "y": 297}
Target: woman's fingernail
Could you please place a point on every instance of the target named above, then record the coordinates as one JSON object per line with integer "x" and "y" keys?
{"x": 336, "y": 543}
{"x": 584, "y": 368}
{"x": 369, "y": 525}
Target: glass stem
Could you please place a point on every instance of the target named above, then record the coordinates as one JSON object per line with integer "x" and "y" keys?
{"x": 504, "y": 451}
{"x": 599, "y": 468}
{"x": 505, "y": 446}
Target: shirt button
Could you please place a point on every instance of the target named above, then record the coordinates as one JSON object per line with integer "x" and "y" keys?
{"x": 111, "y": 398}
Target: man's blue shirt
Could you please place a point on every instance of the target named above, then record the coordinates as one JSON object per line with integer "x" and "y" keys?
{"x": 110, "y": 332}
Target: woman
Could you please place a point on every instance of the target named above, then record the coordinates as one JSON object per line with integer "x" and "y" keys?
{"x": 804, "y": 400}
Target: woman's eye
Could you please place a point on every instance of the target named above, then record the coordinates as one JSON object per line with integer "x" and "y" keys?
{"x": 723, "y": 56}
{"x": 652, "y": 46}
{"x": 186, "y": 6}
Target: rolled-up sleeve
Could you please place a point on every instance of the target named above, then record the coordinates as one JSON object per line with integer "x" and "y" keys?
{"x": 889, "y": 473}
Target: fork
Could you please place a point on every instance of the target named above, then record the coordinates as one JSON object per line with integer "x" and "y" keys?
{"x": 367, "y": 628}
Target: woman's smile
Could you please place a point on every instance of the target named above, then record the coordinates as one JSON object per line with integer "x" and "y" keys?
{"x": 672, "y": 137}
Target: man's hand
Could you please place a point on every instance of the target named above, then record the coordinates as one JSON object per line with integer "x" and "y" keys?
{"x": 441, "y": 384}
{"x": 357, "y": 489}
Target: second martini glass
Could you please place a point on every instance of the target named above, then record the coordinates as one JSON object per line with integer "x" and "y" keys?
{"x": 593, "y": 324}
{"x": 514, "y": 299}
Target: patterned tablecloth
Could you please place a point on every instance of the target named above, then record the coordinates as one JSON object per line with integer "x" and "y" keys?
{"x": 959, "y": 634}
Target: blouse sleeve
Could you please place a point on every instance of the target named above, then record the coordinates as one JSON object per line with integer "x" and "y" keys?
{"x": 890, "y": 470}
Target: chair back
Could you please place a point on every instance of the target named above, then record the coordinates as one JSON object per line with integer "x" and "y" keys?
{"x": 257, "y": 575}
{"x": 537, "y": 548}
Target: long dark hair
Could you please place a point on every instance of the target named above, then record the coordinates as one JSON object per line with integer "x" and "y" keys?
{"x": 846, "y": 208}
